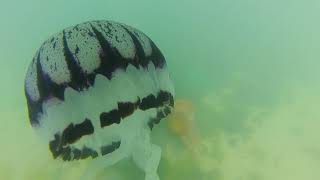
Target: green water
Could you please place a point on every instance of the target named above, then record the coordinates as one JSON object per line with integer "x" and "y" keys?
{"x": 249, "y": 67}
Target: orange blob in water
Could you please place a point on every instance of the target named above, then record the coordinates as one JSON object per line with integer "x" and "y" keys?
{"x": 181, "y": 123}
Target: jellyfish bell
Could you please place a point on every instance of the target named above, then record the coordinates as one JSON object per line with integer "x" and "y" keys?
{"x": 96, "y": 90}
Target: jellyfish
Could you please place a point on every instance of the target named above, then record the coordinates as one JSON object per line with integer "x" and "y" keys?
{"x": 95, "y": 91}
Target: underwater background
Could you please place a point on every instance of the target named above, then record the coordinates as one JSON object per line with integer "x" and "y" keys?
{"x": 246, "y": 73}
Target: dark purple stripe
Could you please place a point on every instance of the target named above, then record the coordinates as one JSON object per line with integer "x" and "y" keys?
{"x": 59, "y": 147}
{"x": 140, "y": 57}
{"x": 125, "y": 109}
{"x": 74, "y": 132}
{"x": 110, "y": 148}
{"x": 110, "y": 57}
{"x": 79, "y": 80}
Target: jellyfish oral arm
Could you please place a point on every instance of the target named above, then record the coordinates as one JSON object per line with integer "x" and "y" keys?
{"x": 147, "y": 157}
{"x": 99, "y": 164}
{"x": 149, "y": 162}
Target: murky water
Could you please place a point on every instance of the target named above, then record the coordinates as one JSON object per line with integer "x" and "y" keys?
{"x": 246, "y": 73}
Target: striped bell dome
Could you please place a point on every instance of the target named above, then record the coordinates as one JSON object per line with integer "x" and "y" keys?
{"x": 93, "y": 88}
